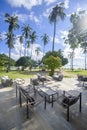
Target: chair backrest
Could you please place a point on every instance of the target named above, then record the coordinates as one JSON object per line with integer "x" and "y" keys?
{"x": 69, "y": 100}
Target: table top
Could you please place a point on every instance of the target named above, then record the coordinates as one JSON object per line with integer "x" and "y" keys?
{"x": 47, "y": 90}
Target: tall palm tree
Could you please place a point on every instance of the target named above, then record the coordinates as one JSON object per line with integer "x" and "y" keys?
{"x": 13, "y": 25}
{"x": 84, "y": 47}
{"x": 71, "y": 57}
{"x": 56, "y": 14}
{"x": 37, "y": 50}
{"x": 10, "y": 42}
{"x": 12, "y": 21}
{"x": 21, "y": 42}
{"x": 33, "y": 37}
{"x": 28, "y": 46}
{"x": 72, "y": 41}
{"x": 26, "y": 29}
{"x": 45, "y": 39}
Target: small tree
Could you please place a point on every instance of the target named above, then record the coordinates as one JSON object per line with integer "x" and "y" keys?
{"x": 52, "y": 63}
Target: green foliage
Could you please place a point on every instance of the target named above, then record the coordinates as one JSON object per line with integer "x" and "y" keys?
{"x": 53, "y": 63}
{"x": 56, "y": 54}
{"x": 25, "y": 62}
{"x": 4, "y": 60}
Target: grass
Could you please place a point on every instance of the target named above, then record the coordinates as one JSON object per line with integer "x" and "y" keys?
{"x": 16, "y": 74}
{"x": 26, "y": 74}
{"x": 75, "y": 72}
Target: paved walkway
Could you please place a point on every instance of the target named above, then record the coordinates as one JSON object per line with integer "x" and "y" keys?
{"x": 12, "y": 117}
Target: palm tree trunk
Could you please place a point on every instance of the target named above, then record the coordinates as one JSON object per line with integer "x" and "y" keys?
{"x": 20, "y": 49}
{"x": 44, "y": 51}
{"x": 31, "y": 50}
{"x": 25, "y": 50}
{"x": 54, "y": 36}
{"x": 85, "y": 60}
{"x": 8, "y": 68}
{"x": 72, "y": 63}
{"x": 72, "y": 59}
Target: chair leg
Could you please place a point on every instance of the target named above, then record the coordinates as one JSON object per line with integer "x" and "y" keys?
{"x": 27, "y": 109}
{"x": 20, "y": 102}
{"x": 45, "y": 102}
{"x": 68, "y": 113}
{"x": 52, "y": 100}
{"x": 80, "y": 103}
{"x": 16, "y": 90}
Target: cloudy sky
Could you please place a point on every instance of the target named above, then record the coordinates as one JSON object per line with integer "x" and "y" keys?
{"x": 35, "y": 13}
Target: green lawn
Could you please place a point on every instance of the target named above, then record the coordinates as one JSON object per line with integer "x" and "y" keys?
{"x": 16, "y": 74}
{"x": 82, "y": 72}
{"x": 74, "y": 73}
{"x": 26, "y": 74}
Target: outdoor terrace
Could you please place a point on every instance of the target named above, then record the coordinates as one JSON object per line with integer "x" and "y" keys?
{"x": 12, "y": 117}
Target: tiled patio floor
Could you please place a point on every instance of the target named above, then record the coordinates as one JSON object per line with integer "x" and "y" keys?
{"x": 12, "y": 117}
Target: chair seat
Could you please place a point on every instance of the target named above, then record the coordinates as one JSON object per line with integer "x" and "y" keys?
{"x": 6, "y": 81}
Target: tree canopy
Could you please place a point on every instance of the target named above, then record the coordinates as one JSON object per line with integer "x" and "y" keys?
{"x": 4, "y": 60}
{"x": 52, "y": 63}
{"x": 59, "y": 54}
{"x": 25, "y": 61}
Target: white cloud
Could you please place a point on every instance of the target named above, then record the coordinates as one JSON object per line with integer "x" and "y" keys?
{"x": 3, "y": 36}
{"x": 26, "y": 17}
{"x": 22, "y": 17}
{"x": 47, "y": 12}
{"x": 56, "y": 39}
{"x": 64, "y": 33}
{"x": 66, "y": 4}
{"x": 28, "y": 4}
{"x": 48, "y": 2}
{"x": 34, "y": 18}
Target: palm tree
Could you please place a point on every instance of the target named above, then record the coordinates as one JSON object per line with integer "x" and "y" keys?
{"x": 33, "y": 37}
{"x": 45, "y": 39}
{"x": 10, "y": 42}
{"x": 12, "y": 21}
{"x": 84, "y": 47}
{"x": 28, "y": 46}
{"x": 26, "y": 29}
{"x": 21, "y": 42}
{"x": 13, "y": 25}
{"x": 56, "y": 14}
{"x": 71, "y": 57}
{"x": 72, "y": 41}
{"x": 37, "y": 50}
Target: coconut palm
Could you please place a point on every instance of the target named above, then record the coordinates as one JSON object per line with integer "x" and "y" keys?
{"x": 72, "y": 41}
{"x": 71, "y": 57}
{"x": 45, "y": 39}
{"x": 12, "y": 21}
{"x": 33, "y": 37}
{"x": 13, "y": 25}
{"x": 56, "y": 14}
{"x": 21, "y": 42}
{"x": 26, "y": 29}
{"x": 84, "y": 47}
{"x": 28, "y": 46}
{"x": 37, "y": 50}
{"x": 10, "y": 42}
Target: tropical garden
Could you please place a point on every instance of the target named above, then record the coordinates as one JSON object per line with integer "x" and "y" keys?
{"x": 51, "y": 60}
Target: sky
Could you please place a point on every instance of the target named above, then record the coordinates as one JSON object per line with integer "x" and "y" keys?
{"x": 35, "y": 13}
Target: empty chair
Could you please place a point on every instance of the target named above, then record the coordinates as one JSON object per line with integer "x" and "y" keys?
{"x": 66, "y": 100}
{"x": 6, "y": 81}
